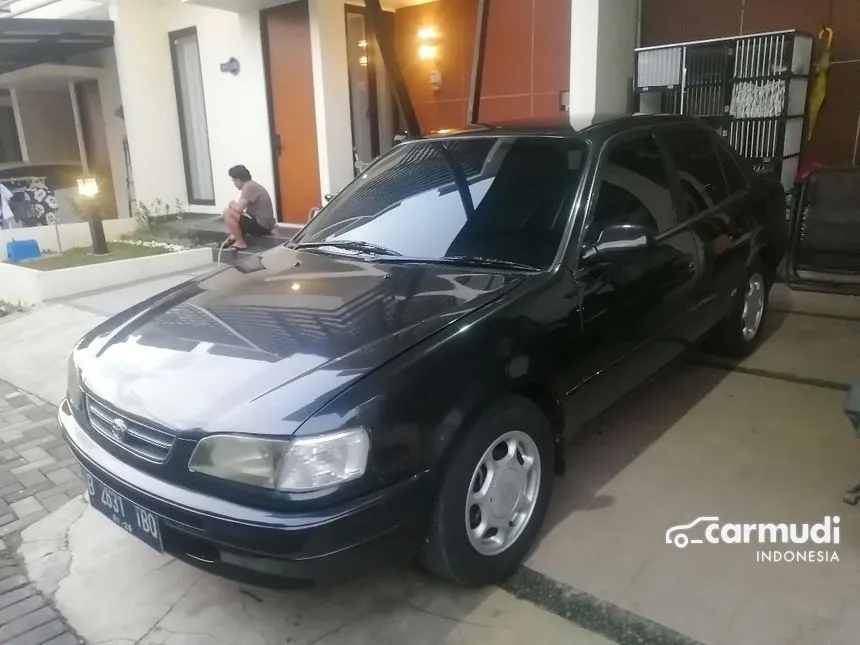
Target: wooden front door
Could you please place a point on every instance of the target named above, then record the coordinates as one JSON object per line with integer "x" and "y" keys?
{"x": 291, "y": 91}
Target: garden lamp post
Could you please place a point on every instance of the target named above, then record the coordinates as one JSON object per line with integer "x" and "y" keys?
{"x": 88, "y": 189}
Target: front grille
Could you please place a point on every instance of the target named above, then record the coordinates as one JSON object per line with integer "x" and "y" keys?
{"x": 141, "y": 440}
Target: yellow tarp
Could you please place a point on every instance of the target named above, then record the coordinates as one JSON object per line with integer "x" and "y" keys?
{"x": 819, "y": 80}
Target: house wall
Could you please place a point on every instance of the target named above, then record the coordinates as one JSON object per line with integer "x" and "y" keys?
{"x": 601, "y": 58}
{"x": 331, "y": 94}
{"x": 49, "y": 125}
{"x": 526, "y": 59}
{"x": 834, "y": 140}
{"x": 236, "y": 107}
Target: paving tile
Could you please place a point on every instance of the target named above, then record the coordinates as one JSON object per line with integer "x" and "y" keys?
{"x": 54, "y": 502}
{"x": 16, "y": 595}
{"x": 26, "y": 623}
{"x": 39, "y": 635}
{"x": 22, "y": 608}
{"x": 61, "y": 453}
{"x": 47, "y": 461}
{"x": 61, "y": 476}
{"x": 30, "y": 478}
{"x": 14, "y": 582}
{"x": 42, "y": 413}
{"x": 21, "y": 493}
{"x": 26, "y": 506}
{"x": 33, "y": 454}
{"x": 65, "y": 639}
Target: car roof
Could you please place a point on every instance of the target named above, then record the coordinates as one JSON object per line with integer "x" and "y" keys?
{"x": 598, "y": 128}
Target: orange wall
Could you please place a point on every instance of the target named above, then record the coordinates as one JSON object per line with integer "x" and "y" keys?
{"x": 833, "y": 141}
{"x": 455, "y": 20}
{"x": 526, "y": 62}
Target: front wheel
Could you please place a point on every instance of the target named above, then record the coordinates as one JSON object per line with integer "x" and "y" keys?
{"x": 740, "y": 332}
{"x": 493, "y": 496}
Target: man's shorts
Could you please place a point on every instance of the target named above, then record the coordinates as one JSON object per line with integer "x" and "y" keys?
{"x": 249, "y": 226}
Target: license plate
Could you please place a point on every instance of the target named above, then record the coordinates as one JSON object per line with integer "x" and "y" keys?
{"x": 141, "y": 523}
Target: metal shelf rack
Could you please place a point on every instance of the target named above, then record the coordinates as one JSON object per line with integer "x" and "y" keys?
{"x": 753, "y": 89}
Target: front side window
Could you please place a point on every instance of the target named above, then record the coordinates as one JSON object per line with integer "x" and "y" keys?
{"x": 495, "y": 198}
{"x": 634, "y": 189}
{"x": 699, "y": 169}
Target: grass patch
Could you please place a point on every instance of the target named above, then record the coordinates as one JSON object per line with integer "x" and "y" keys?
{"x": 84, "y": 256}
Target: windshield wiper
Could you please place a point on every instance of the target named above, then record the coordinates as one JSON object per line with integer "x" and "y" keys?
{"x": 352, "y": 245}
{"x": 487, "y": 262}
{"x": 469, "y": 261}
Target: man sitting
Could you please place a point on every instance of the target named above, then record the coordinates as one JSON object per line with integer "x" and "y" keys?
{"x": 253, "y": 214}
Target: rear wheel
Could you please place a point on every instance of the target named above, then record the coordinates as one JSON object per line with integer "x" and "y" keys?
{"x": 493, "y": 497}
{"x": 740, "y": 332}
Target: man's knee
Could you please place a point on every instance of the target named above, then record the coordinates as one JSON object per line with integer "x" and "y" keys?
{"x": 230, "y": 213}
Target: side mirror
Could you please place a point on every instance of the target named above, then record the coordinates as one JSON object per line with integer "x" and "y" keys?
{"x": 618, "y": 241}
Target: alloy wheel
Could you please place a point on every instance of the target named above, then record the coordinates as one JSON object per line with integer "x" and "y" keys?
{"x": 754, "y": 303}
{"x": 503, "y": 493}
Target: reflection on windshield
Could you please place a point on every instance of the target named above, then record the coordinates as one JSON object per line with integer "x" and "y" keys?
{"x": 498, "y": 198}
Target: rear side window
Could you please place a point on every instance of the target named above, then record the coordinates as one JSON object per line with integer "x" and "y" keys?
{"x": 700, "y": 171}
{"x": 735, "y": 179}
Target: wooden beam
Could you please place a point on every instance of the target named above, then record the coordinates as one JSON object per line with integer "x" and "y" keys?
{"x": 478, "y": 61}
{"x": 385, "y": 38}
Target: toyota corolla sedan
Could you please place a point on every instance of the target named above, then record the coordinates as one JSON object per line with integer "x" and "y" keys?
{"x": 400, "y": 380}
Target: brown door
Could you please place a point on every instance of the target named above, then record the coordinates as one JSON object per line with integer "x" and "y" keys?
{"x": 95, "y": 141}
{"x": 291, "y": 87}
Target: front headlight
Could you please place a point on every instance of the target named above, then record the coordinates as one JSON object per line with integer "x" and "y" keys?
{"x": 293, "y": 465}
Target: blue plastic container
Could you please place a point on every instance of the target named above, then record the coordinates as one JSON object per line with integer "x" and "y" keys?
{"x": 18, "y": 250}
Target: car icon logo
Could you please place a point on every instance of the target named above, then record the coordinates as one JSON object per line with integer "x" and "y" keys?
{"x": 118, "y": 428}
{"x": 677, "y": 534}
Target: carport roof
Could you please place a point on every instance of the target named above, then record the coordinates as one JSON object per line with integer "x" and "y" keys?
{"x": 27, "y": 42}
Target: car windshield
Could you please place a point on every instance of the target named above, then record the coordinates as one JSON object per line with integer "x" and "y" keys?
{"x": 472, "y": 200}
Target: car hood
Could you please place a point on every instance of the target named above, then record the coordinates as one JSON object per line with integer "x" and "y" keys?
{"x": 261, "y": 346}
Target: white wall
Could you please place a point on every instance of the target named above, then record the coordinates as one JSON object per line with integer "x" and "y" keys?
{"x": 331, "y": 94}
{"x": 617, "y": 40}
{"x": 236, "y": 108}
{"x": 603, "y": 36}
{"x": 49, "y": 125}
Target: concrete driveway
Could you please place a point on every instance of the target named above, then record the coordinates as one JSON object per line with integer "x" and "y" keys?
{"x": 762, "y": 442}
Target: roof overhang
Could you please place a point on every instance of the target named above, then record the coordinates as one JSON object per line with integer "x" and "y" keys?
{"x": 40, "y": 77}
{"x": 28, "y": 42}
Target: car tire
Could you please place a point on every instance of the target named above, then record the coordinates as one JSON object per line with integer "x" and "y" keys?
{"x": 513, "y": 437}
{"x": 739, "y": 333}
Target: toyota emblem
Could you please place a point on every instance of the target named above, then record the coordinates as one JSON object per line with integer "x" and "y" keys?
{"x": 119, "y": 428}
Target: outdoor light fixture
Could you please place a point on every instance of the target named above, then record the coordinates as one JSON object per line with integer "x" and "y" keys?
{"x": 88, "y": 189}
{"x": 428, "y": 52}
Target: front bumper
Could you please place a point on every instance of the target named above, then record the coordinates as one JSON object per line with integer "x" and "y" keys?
{"x": 261, "y": 547}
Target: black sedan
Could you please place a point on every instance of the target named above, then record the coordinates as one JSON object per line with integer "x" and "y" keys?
{"x": 400, "y": 379}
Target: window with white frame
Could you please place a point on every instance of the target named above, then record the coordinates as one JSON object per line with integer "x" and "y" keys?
{"x": 194, "y": 131}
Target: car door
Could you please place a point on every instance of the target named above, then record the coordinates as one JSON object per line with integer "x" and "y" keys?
{"x": 715, "y": 205}
{"x": 630, "y": 306}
